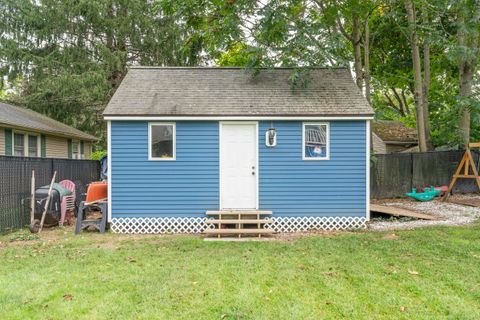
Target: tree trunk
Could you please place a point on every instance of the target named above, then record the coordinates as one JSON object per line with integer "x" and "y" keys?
{"x": 357, "y": 51}
{"x": 466, "y": 71}
{"x": 366, "y": 58}
{"x": 417, "y": 75}
{"x": 425, "y": 89}
{"x": 465, "y": 90}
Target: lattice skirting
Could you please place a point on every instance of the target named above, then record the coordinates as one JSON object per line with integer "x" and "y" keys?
{"x": 198, "y": 225}
{"x": 299, "y": 224}
{"x": 159, "y": 225}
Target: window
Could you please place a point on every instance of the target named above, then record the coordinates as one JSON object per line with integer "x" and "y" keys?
{"x": 32, "y": 146}
{"x": 161, "y": 137}
{"x": 316, "y": 141}
{"x": 77, "y": 150}
{"x": 18, "y": 144}
{"x": 25, "y": 145}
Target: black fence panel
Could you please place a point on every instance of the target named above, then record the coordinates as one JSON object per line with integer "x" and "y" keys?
{"x": 15, "y": 183}
{"x": 393, "y": 175}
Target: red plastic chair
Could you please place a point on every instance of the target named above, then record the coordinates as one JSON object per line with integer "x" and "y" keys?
{"x": 68, "y": 202}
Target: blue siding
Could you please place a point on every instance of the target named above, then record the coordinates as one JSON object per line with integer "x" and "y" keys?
{"x": 188, "y": 186}
{"x": 185, "y": 187}
{"x": 290, "y": 186}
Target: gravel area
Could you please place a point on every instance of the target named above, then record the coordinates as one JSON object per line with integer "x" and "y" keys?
{"x": 450, "y": 214}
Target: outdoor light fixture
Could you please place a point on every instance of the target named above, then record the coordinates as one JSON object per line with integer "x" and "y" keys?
{"x": 271, "y": 137}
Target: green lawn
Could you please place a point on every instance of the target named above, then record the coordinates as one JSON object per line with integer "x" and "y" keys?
{"x": 430, "y": 273}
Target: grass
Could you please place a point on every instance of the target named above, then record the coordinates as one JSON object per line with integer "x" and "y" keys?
{"x": 430, "y": 273}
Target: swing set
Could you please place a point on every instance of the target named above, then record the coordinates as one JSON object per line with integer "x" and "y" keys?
{"x": 465, "y": 170}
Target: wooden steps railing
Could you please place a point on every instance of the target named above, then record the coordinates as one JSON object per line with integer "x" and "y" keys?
{"x": 238, "y": 223}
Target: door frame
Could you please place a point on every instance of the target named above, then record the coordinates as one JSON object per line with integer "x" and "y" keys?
{"x": 257, "y": 171}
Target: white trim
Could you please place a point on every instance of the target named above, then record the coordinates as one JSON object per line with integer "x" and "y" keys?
{"x": 199, "y": 224}
{"x": 257, "y": 168}
{"x": 174, "y": 141}
{"x": 368, "y": 169}
{"x": 109, "y": 169}
{"x": 219, "y": 166}
{"x": 80, "y": 155}
{"x": 307, "y": 223}
{"x": 160, "y": 225}
{"x": 234, "y": 118}
{"x": 327, "y": 157}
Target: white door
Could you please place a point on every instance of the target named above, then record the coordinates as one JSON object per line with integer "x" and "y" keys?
{"x": 238, "y": 165}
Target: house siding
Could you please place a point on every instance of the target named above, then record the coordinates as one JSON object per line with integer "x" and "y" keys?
{"x": 56, "y": 147}
{"x": 87, "y": 149}
{"x": 185, "y": 187}
{"x": 2, "y": 141}
{"x": 188, "y": 186}
{"x": 379, "y": 147}
{"x": 290, "y": 186}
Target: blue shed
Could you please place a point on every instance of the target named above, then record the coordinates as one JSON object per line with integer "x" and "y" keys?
{"x": 185, "y": 141}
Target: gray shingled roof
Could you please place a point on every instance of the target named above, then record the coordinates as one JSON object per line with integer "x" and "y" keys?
{"x": 177, "y": 91}
{"x": 27, "y": 119}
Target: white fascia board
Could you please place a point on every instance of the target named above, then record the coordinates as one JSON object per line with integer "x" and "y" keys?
{"x": 231, "y": 118}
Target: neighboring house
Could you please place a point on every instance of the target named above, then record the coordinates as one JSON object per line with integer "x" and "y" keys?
{"x": 393, "y": 136}
{"x": 186, "y": 140}
{"x": 26, "y": 133}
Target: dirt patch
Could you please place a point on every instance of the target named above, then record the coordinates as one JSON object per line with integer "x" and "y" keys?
{"x": 451, "y": 214}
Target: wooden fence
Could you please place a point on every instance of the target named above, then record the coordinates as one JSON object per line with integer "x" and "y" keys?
{"x": 392, "y": 175}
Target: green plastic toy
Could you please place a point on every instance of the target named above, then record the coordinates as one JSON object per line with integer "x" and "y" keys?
{"x": 427, "y": 195}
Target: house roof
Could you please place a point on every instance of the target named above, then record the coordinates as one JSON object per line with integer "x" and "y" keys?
{"x": 27, "y": 119}
{"x": 394, "y": 131}
{"x": 185, "y": 91}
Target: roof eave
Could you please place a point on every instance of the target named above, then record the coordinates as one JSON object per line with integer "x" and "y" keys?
{"x": 235, "y": 116}
{"x": 85, "y": 137}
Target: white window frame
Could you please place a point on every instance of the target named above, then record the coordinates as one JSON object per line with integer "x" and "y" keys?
{"x": 79, "y": 150}
{"x": 327, "y": 125}
{"x": 25, "y": 143}
{"x": 174, "y": 141}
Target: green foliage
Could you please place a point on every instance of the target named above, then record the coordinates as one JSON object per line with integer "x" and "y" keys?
{"x": 97, "y": 155}
{"x": 238, "y": 55}
{"x": 65, "y": 58}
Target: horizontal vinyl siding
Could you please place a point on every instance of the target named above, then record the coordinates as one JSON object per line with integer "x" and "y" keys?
{"x": 379, "y": 147}
{"x": 56, "y": 147}
{"x": 187, "y": 186}
{"x": 2, "y": 142}
{"x": 290, "y": 186}
{"x": 87, "y": 149}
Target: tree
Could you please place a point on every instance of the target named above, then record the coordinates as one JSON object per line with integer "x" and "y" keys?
{"x": 421, "y": 82}
{"x": 69, "y": 56}
{"x": 468, "y": 45}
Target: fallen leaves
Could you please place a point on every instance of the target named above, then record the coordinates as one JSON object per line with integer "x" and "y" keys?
{"x": 67, "y": 297}
{"x": 391, "y": 236}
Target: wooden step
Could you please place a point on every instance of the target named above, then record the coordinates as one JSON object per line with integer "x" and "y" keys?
{"x": 239, "y": 231}
{"x": 238, "y": 212}
{"x": 239, "y": 221}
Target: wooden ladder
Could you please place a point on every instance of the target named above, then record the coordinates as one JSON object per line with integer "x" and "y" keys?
{"x": 238, "y": 223}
